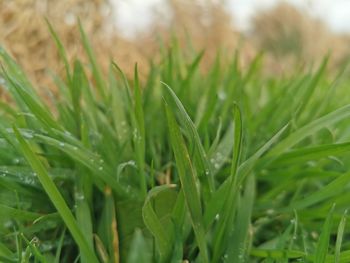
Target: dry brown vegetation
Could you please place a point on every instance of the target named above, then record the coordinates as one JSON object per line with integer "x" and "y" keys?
{"x": 24, "y": 33}
{"x": 291, "y": 35}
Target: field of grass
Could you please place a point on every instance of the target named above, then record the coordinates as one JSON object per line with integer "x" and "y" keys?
{"x": 226, "y": 166}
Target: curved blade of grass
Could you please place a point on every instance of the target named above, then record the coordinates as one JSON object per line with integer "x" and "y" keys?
{"x": 154, "y": 224}
{"x": 200, "y": 160}
{"x": 88, "y": 159}
{"x": 333, "y": 188}
{"x": 339, "y": 240}
{"x": 309, "y": 129}
{"x": 60, "y": 48}
{"x": 188, "y": 182}
{"x": 38, "y": 109}
{"x": 311, "y": 153}
{"x": 56, "y": 197}
{"x": 10, "y": 212}
{"x": 14, "y": 70}
{"x": 96, "y": 71}
{"x": 215, "y": 204}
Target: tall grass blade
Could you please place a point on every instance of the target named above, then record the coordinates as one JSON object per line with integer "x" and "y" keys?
{"x": 56, "y": 198}
{"x": 188, "y": 183}
{"x": 323, "y": 242}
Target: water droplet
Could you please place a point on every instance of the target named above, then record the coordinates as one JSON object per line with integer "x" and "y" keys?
{"x": 34, "y": 174}
{"x": 28, "y": 135}
{"x": 314, "y": 235}
{"x": 206, "y": 172}
{"x": 219, "y": 156}
{"x": 75, "y": 148}
{"x": 217, "y": 217}
{"x": 102, "y": 161}
{"x": 79, "y": 196}
{"x": 131, "y": 162}
{"x": 100, "y": 168}
{"x": 16, "y": 161}
{"x": 221, "y": 95}
{"x": 292, "y": 221}
{"x": 8, "y": 224}
{"x": 28, "y": 180}
{"x": 46, "y": 246}
{"x": 216, "y": 165}
{"x": 270, "y": 211}
{"x": 3, "y": 175}
{"x": 61, "y": 144}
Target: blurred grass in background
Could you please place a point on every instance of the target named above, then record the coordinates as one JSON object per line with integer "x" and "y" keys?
{"x": 287, "y": 35}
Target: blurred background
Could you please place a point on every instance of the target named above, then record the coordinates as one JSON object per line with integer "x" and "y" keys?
{"x": 290, "y": 33}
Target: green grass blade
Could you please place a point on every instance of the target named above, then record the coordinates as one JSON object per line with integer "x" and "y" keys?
{"x": 56, "y": 198}
{"x": 309, "y": 129}
{"x": 224, "y": 229}
{"x": 153, "y": 223}
{"x": 333, "y": 188}
{"x": 139, "y": 250}
{"x": 200, "y": 159}
{"x": 86, "y": 158}
{"x": 35, "y": 106}
{"x": 215, "y": 204}
{"x": 96, "y": 71}
{"x": 240, "y": 240}
{"x": 139, "y": 132}
{"x": 323, "y": 242}
{"x": 60, "y": 48}
{"x": 188, "y": 183}
{"x": 340, "y": 234}
{"x": 311, "y": 153}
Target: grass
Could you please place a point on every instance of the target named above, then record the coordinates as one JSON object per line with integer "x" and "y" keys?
{"x": 226, "y": 166}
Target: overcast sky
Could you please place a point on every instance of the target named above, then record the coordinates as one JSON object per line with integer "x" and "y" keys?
{"x": 133, "y": 15}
